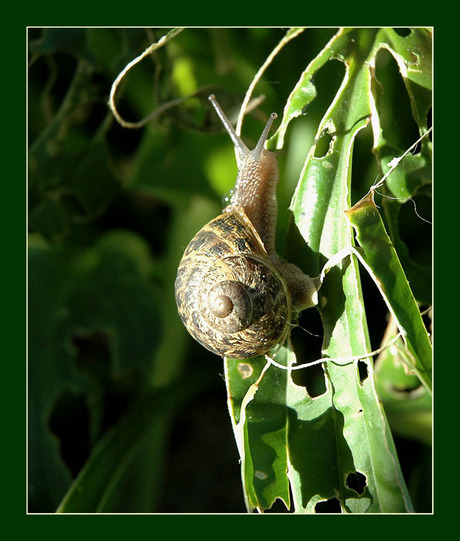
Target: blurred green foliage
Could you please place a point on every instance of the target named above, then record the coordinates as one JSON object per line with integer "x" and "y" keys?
{"x": 120, "y": 398}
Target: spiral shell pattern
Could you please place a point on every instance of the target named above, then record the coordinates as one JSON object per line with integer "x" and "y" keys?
{"x": 229, "y": 296}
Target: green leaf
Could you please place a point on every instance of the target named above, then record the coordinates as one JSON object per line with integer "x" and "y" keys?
{"x": 319, "y": 205}
{"x": 128, "y": 453}
{"x": 412, "y": 177}
{"x": 260, "y": 430}
{"x": 103, "y": 290}
{"x": 383, "y": 264}
{"x": 407, "y": 402}
{"x": 413, "y": 53}
{"x": 47, "y": 270}
{"x": 70, "y": 178}
{"x": 338, "y": 445}
{"x": 96, "y": 488}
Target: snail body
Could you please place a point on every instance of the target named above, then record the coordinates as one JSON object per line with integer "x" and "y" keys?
{"x": 234, "y": 294}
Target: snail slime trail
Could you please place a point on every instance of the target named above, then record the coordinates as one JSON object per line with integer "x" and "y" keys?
{"x": 234, "y": 294}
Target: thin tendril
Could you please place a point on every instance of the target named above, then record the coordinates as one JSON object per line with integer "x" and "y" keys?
{"x": 341, "y": 361}
{"x": 173, "y": 103}
{"x": 291, "y": 34}
{"x": 395, "y": 162}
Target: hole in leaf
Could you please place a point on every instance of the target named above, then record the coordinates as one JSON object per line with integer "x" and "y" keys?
{"x": 363, "y": 371}
{"x": 357, "y": 481}
{"x": 365, "y": 168}
{"x": 403, "y": 32}
{"x": 376, "y": 309}
{"x": 328, "y": 506}
{"x": 278, "y": 507}
{"x": 69, "y": 421}
{"x": 307, "y": 336}
{"x": 323, "y": 145}
{"x": 427, "y": 317}
{"x": 327, "y": 81}
{"x": 312, "y": 378}
{"x": 395, "y": 112}
{"x": 306, "y": 340}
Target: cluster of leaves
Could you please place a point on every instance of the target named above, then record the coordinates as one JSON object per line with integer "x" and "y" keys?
{"x": 345, "y": 423}
{"x": 126, "y": 414}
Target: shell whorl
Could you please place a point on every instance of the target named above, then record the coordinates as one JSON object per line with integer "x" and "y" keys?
{"x": 230, "y": 297}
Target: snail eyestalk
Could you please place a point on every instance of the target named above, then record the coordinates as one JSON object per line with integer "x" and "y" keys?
{"x": 237, "y": 141}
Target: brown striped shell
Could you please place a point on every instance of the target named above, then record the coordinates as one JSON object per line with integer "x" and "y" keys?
{"x": 229, "y": 296}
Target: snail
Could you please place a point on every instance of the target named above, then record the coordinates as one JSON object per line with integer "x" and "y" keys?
{"x": 234, "y": 294}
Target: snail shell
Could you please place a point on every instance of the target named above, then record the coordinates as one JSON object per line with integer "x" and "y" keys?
{"x": 234, "y": 294}
{"x": 230, "y": 297}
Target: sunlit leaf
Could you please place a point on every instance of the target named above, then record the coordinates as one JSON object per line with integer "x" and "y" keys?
{"x": 353, "y": 460}
{"x": 384, "y": 266}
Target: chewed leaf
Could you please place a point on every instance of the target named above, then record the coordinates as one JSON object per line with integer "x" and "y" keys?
{"x": 414, "y": 54}
{"x": 304, "y": 91}
{"x": 383, "y": 264}
{"x": 258, "y": 412}
{"x": 352, "y": 465}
